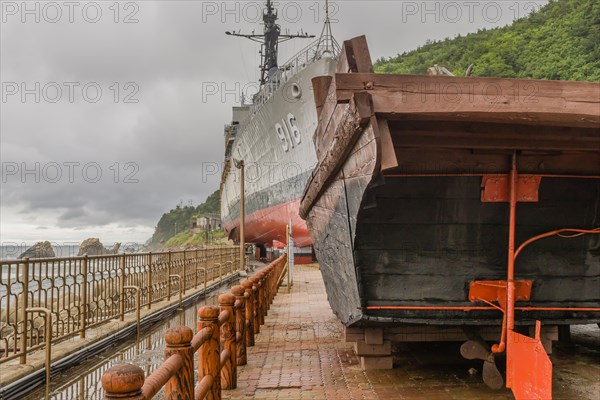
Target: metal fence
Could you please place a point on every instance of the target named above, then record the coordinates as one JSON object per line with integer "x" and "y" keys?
{"x": 84, "y": 292}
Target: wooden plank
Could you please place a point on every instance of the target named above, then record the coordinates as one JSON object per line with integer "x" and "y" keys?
{"x": 490, "y": 140}
{"x": 321, "y": 86}
{"x": 388, "y": 152}
{"x": 363, "y": 348}
{"x": 328, "y": 135}
{"x": 342, "y": 64}
{"x": 327, "y": 112}
{"x": 531, "y": 102}
{"x": 413, "y": 161}
{"x": 348, "y": 132}
{"x": 360, "y": 60}
{"x": 526, "y": 91}
{"x": 355, "y": 57}
{"x": 374, "y": 335}
{"x": 479, "y": 135}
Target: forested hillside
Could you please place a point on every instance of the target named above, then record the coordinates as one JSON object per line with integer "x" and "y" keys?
{"x": 178, "y": 219}
{"x": 561, "y": 41}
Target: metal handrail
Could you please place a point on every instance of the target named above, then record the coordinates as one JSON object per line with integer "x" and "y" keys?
{"x": 137, "y": 310}
{"x": 180, "y": 288}
{"x": 203, "y": 278}
{"x": 83, "y": 292}
{"x": 48, "y": 337}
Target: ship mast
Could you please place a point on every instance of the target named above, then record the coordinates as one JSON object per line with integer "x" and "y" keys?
{"x": 269, "y": 39}
{"x": 326, "y": 40}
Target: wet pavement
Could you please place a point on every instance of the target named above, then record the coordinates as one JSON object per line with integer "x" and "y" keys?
{"x": 300, "y": 354}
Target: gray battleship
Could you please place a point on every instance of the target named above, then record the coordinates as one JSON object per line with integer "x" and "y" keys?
{"x": 274, "y": 137}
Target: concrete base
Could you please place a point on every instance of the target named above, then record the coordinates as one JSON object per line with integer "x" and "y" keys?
{"x": 370, "y": 346}
{"x": 363, "y": 349}
{"x": 548, "y": 334}
{"x": 370, "y": 363}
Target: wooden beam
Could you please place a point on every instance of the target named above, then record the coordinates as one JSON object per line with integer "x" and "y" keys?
{"x": 388, "y": 152}
{"x": 479, "y": 135}
{"x": 529, "y": 102}
{"x": 355, "y": 56}
{"x": 356, "y": 116}
{"x": 320, "y": 86}
{"x": 423, "y": 161}
{"x": 325, "y": 117}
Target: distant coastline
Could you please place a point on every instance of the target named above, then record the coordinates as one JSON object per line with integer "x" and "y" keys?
{"x": 11, "y": 251}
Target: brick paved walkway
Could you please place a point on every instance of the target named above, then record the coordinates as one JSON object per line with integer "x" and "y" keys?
{"x": 300, "y": 354}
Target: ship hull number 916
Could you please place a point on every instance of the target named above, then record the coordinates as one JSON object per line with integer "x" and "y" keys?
{"x": 288, "y": 132}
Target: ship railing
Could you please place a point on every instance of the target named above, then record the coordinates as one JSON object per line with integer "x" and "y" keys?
{"x": 224, "y": 334}
{"x": 325, "y": 46}
{"x": 84, "y": 292}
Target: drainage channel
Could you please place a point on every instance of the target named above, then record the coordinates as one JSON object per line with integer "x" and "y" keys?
{"x": 79, "y": 377}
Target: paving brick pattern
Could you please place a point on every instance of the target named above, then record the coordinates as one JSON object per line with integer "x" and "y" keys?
{"x": 300, "y": 354}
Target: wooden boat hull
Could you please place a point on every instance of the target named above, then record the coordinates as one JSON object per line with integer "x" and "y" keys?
{"x": 408, "y": 206}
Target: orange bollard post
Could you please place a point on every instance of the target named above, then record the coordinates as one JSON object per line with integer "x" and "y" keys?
{"x": 123, "y": 382}
{"x": 261, "y": 298}
{"x": 240, "y": 323}
{"x": 249, "y": 313}
{"x": 209, "y": 356}
{"x": 228, "y": 341}
{"x": 255, "y": 296}
{"x": 181, "y": 385}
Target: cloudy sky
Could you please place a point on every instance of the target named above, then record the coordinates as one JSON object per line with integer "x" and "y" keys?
{"x": 113, "y": 112}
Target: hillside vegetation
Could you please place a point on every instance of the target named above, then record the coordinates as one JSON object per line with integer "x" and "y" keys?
{"x": 175, "y": 224}
{"x": 561, "y": 41}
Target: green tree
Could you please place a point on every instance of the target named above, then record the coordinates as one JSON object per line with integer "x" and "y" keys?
{"x": 560, "y": 41}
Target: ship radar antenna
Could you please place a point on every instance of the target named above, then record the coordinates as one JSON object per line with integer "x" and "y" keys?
{"x": 269, "y": 40}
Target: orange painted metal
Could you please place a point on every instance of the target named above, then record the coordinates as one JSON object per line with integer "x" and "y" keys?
{"x": 531, "y": 377}
{"x": 509, "y": 316}
{"x": 491, "y": 291}
{"x": 268, "y": 224}
{"x": 478, "y": 308}
{"x": 496, "y": 188}
{"x": 573, "y": 231}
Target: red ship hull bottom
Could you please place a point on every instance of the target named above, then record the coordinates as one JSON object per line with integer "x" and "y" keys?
{"x": 268, "y": 224}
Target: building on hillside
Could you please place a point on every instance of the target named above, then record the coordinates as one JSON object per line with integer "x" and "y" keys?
{"x": 204, "y": 223}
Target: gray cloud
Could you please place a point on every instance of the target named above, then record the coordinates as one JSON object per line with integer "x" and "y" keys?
{"x": 171, "y": 131}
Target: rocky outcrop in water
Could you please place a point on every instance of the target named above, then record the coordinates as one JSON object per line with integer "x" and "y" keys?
{"x": 39, "y": 250}
{"x": 115, "y": 248}
{"x": 93, "y": 247}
